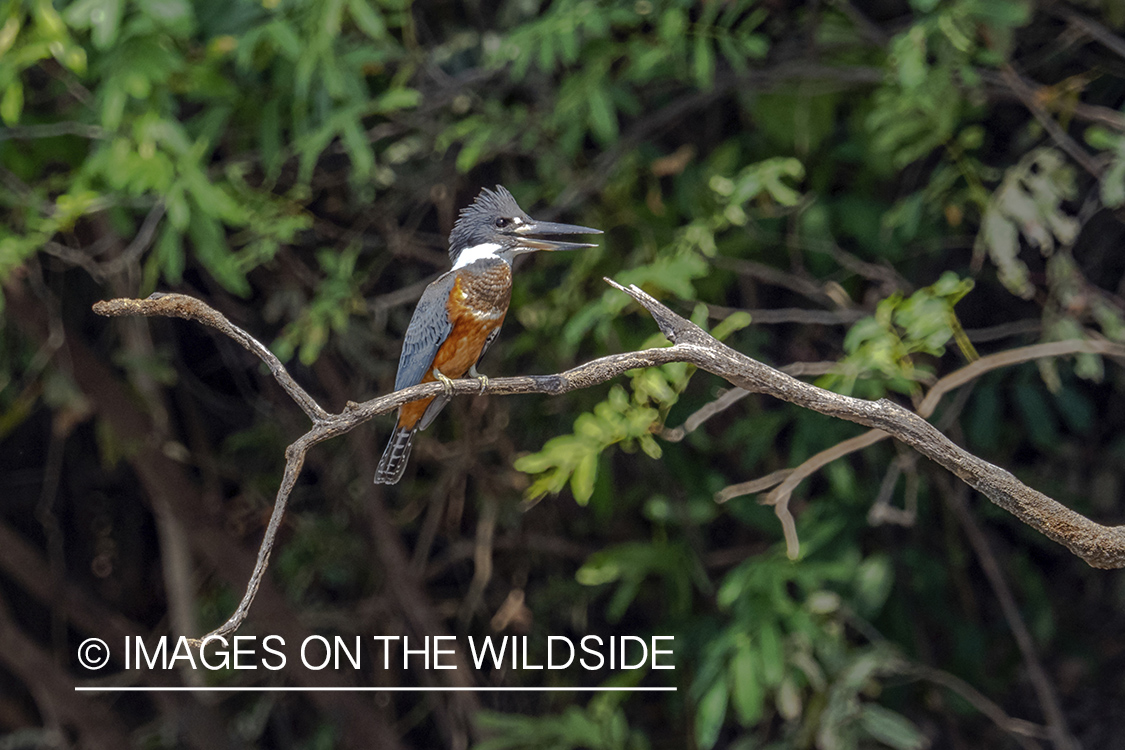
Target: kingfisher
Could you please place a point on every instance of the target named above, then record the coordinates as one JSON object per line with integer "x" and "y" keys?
{"x": 460, "y": 313}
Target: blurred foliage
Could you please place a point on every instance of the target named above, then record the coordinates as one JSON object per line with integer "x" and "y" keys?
{"x": 617, "y": 420}
{"x": 602, "y": 726}
{"x": 852, "y": 185}
{"x": 886, "y": 345}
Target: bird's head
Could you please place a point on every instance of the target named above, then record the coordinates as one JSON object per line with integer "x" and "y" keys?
{"x": 495, "y": 226}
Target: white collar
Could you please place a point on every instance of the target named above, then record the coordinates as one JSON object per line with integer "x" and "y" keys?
{"x": 483, "y": 251}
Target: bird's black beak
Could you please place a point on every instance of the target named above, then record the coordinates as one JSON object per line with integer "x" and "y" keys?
{"x": 530, "y": 234}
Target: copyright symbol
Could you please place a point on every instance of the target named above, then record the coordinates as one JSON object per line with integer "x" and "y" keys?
{"x": 93, "y": 653}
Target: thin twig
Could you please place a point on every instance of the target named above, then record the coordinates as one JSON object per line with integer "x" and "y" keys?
{"x": 732, "y": 396}
{"x": 482, "y": 560}
{"x": 797, "y": 315}
{"x": 1091, "y": 28}
{"x": 181, "y": 306}
{"x": 139, "y": 244}
{"x": 53, "y": 130}
{"x": 881, "y": 510}
{"x": 829, "y": 77}
{"x": 403, "y": 296}
{"x": 1056, "y": 131}
{"x": 84, "y": 258}
{"x": 957, "y": 499}
{"x": 779, "y": 496}
{"x": 693, "y": 422}
{"x": 754, "y": 486}
{"x": 776, "y": 277}
{"x": 974, "y": 370}
{"x": 1004, "y": 330}
{"x": 1019, "y": 728}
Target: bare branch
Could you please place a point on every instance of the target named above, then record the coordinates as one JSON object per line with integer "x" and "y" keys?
{"x": 779, "y": 497}
{"x": 1099, "y": 545}
{"x": 189, "y": 308}
{"x": 693, "y": 422}
{"x": 794, "y": 282}
{"x": 974, "y": 370}
{"x": 1091, "y": 28}
{"x": 753, "y": 486}
{"x": 140, "y": 243}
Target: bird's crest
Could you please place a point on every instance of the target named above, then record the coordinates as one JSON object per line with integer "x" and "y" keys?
{"x": 476, "y": 223}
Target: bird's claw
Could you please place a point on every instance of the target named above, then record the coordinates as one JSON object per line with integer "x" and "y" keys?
{"x": 483, "y": 379}
{"x": 446, "y": 383}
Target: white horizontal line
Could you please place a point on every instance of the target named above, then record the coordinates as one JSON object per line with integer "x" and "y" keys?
{"x": 287, "y": 689}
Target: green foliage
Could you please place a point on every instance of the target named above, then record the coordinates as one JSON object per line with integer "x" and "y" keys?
{"x": 620, "y": 419}
{"x": 144, "y": 59}
{"x": 337, "y": 299}
{"x": 1028, "y": 203}
{"x": 885, "y": 345}
{"x": 1113, "y": 182}
{"x": 32, "y": 32}
{"x": 782, "y": 650}
{"x": 574, "y": 457}
{"x": 602, "y": 726}
{"x": 629, "y": 565}
{"x": 600, "y": 52}
{"x": 924, "y": 101}
{"x": 686, "y": 258}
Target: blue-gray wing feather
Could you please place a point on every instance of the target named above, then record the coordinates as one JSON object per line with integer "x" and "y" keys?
{"x": 428, "y": 328}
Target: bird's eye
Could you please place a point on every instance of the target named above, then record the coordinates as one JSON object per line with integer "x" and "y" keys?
{"x": 501, "y": 222}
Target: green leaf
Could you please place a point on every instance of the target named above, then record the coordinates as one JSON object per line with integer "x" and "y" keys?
{"x": 102, "y": 17}
{"x": 603, "y": 119}
{"x": 736, "y": 321}
{"x": 582, "y": 480}
{"x": 891, "y": 728}
{"x": 710, "y": 713}
{"x": 214, "y": 253}
{"x": 747, "y": 691}
{"x": 359, "y": 150}
{"x": 269, "y": 135}
{"x": 396, "y": 99}
{"x": 672, "y": 24}
{"x": 773, "y": 653}
{"x": 368, "y": 19}
{"x": 169, "y": 254}
{"x": 703, "y": 61}
{"x": 874, "y": 580}
{"x": 11, "y": 105}
{"x": 169, "y": 13}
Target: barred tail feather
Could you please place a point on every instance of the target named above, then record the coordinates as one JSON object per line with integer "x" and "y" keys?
{"x": 393, "y": 462}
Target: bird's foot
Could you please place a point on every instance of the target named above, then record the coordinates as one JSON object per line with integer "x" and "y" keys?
{"x": 483, "y": 379}
{"x": 446, "y": 383}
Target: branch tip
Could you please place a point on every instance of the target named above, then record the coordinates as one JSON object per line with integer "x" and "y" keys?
{"x": 670, "y": 324}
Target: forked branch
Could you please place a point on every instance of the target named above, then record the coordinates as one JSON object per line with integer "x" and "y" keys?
{"x": 1100, "y": 546}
